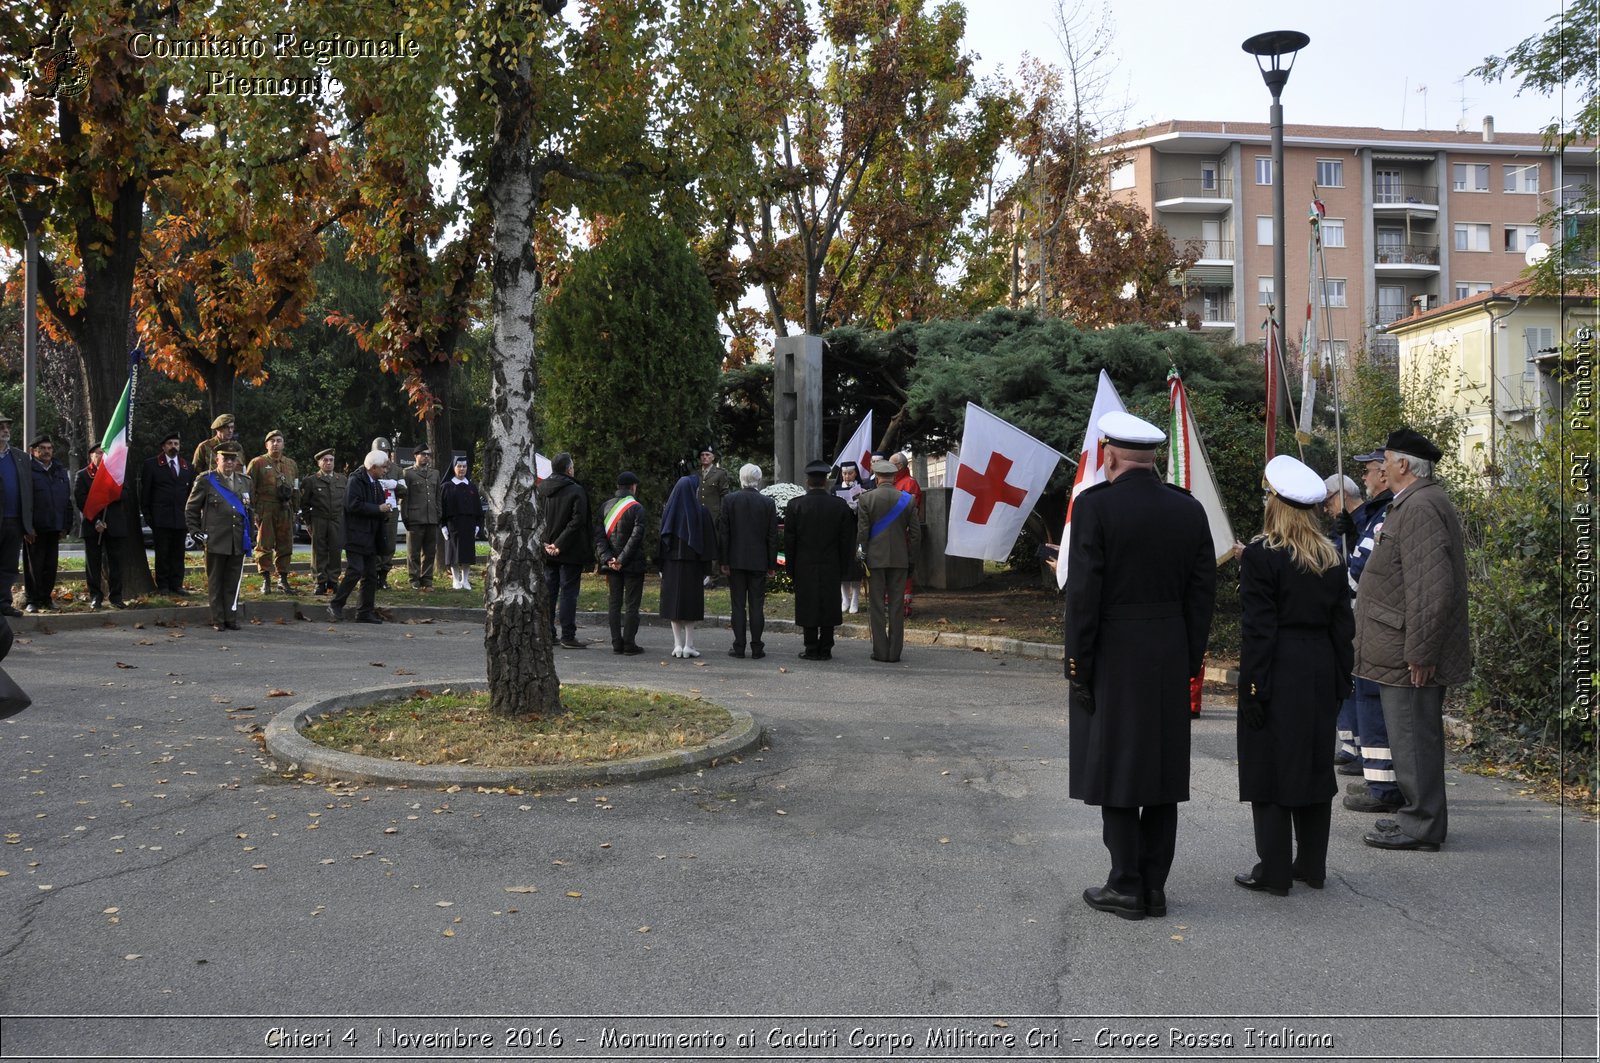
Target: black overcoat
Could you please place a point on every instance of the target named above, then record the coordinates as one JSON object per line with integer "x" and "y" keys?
{"x": 747, "y": 531}
{"x": 819, "y": 532}
{"x": 163, "y": 493}
{"x": 1296, "y": 651}
{"x": 365, "y": 525}
{"x": 1141, "y": 581}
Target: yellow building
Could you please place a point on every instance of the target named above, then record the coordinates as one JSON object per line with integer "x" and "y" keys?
{"x": 1492, "y": 355}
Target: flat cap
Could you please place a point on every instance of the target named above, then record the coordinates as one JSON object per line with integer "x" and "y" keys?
{"x": 4, "y": 419}
{"x": 1410, "y": 441}
{"x": 1121, "y": 429}
{"x": 626, "y": 479}
{"x": 1376, "y": 455}
{"x": 223, "y": 421}
{"x": 1295, "y": 482}
{"x": 42, "y": 438}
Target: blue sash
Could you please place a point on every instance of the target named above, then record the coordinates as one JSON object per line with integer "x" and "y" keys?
{"x": 238, "y": 507}
{"x": 883, "y": 522}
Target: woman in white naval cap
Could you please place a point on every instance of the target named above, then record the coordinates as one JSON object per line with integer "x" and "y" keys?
{"x": 1294, "y": 671}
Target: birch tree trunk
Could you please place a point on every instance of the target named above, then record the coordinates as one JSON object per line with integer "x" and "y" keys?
{"x": 517, "y": 635}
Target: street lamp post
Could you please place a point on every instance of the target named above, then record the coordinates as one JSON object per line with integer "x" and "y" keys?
{"x": 1269, "y": 49}
{"x": 28, "y": 191}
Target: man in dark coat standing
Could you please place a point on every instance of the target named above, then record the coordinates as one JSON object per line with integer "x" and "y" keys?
{"x": 16, "y": 512}
{"x": 366, "y": 520}
{"x": 52, "y": 518}
{"x": 102, "y": 535}
{"x": 620, "y": 545}
{"x": 164, "y": 485}
{"x": 819, "y": 532}
{"x": 747, "y": 528}
{"x": 1141, "y": 581}
{"x": 567, "y": 544}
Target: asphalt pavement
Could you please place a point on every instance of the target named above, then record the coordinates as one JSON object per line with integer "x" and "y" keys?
{"x": 895, "y": 873}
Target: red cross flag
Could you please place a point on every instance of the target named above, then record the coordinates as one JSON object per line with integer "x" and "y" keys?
{"x": 1002, "y": 473}
{"x": 858, "y": 448}
{"x": 1090, "y": 469}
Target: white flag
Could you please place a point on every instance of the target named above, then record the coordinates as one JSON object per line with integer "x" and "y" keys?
{"x": 1091, "y": 468}
{"x": 1002, "y": 473}
{"x": 858, "y": 448}
{"x": 541, "y": 467}
{"x": 1190, "y": 469}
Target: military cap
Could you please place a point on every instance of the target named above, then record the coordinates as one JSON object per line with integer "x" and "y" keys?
{"x": 274, "y": 434}
{"x": 709, "y": 448}
{"x": 420, "y": 448}
{"x": 325, "y": 453}
{"x": 381, "y": 443}
{"x": 1295, "y": 482}
{"x": 1121, "y": 429}
{"x": 822, "y": 468}
{"x": 170, "y": 436}
{"x": 233, "y": 449}
{"x": 883, "y": 467}
{"x": 223, "y": 421}
{"x": 1410, "y": 441}
{"x": 626, "y": 479}
{"x": 1376, "y": 455}
{"x": 41, "y": 439}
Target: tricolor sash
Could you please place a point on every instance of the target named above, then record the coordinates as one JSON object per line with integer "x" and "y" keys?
{"x": 238, "y": 507}
{"x": 614, "y": 514}
{"x": 883, "y": 522}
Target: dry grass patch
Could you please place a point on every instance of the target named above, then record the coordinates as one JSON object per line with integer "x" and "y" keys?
{"x": 456, "y": 727}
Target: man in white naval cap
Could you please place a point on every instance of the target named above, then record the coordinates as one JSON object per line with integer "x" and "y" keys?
{"x": 1140, "y": 587}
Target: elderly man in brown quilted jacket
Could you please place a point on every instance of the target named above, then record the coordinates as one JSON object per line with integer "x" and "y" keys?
{"x": 1411, "y": 636}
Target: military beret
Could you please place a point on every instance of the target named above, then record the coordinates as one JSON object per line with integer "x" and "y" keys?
{"x": 420, "y": 448}
{"x": 224, "y": 421}
{"x": 1410, "y": 441}
{"x": 1295, "y": 482}
{"x": 274, "y": 434}
{"x": 327, "y": 453}
{"x": 626, "y": 479}
{"x": 1121, "y": 429}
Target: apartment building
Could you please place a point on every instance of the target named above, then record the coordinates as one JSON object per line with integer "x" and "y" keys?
{"x": 1414, "y": 219}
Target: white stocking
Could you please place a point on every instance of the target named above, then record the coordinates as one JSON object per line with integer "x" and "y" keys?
{"x": 677, "y": 638}
{"x": 688, "y": 639}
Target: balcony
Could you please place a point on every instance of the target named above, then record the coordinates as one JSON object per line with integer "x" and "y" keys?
{"x": 1388, "y": 315}
{"x": 1212, "y": 313}
{"x": 1213, "y": 251}
{"x": 1385, "y": 349}
{"x": 1403, "y": 197}
{"x": 1194, "y": 195}
{"x": 1418, "y": 258}
{"x": 1580, "y": 199}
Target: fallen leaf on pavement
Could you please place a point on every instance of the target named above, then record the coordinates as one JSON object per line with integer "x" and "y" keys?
{"x": 276, "y": 693}
{"x": 522, "y": 889}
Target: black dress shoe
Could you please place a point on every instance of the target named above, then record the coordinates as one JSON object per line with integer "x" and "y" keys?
{"x": 574, "y": 644}
{"x": 368, "y": 620}
{"x": 737, "y": 652}
{"x": 179, "y": 592}
{"x": 95, "y": 603}
{"x": 1314, "y": 883}
{"x": 9, "y": 610}
{"x": 283, "y": 585}
{"x": 1398, "y": 839}
{"x": 632, "y": 651}
{"x": 617, "y": 647}
{"x": 807, "y": 655}
{"x": 218, "y": 627}
{"x": 757, "y": 653}
{"x": 1351, "y": 768}
{"x": 1365, "y": 802}
{"x": 1155, "y": 903}
{"x": 1250, "y": 882}
{"x": 335, "y": 612}
{"x": 231, "y": 625}
{"x": 1106, "y": 899}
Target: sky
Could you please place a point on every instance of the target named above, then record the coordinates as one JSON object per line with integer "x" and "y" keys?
{"x": 1364, "y": 66}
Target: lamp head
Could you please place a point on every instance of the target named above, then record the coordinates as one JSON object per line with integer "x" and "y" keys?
{"x": 1269, "y": 49}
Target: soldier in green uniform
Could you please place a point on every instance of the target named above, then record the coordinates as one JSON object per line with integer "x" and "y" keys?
{"x": 322, "y": 502}
{"x": 275, "y": 485}
{"x": 218, "y": 516}
{"x": 205, "y": 455}
{"x": 420, "y": 509}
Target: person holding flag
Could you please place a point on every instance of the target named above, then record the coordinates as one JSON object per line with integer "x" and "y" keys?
{"x": 619, "y": 544}
{"x": 219, "y": 518}
{"x": 103, "y": 528}
{"x": 1141, "y": 584}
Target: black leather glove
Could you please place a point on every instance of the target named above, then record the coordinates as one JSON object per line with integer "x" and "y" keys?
{"x": 1344, "y": 523}
{"x": 1081, "y": 695}
{"x": 1253, "y": 713}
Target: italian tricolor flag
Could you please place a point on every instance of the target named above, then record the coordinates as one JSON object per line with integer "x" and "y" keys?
{"x": 107, "y": 485}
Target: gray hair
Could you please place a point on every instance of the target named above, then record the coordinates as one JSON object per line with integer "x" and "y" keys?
{"x": 749, "y": 475}
{"x": 1340, "y": 482}
{"x": 1421, "y": 468}
{"x": 375, "y": 458}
